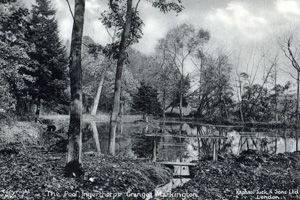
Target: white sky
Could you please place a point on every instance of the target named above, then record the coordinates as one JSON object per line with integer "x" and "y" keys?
{"x": 239, "y": 26}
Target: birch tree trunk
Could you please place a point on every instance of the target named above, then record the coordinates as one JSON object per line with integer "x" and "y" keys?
{"x": 97, "y": 97}
{"x": 74, "y": 163}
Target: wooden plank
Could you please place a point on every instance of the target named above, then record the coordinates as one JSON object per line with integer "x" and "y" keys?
{"x": 169, "y": 120}
{"x": 191, "y": 136}
{"x": 252, "y": 133}
{"x": 227, "y": 126}
{"x": 177, "y": 163}
{"x": 172, "y": 144}
{"x": 259, "y": 137}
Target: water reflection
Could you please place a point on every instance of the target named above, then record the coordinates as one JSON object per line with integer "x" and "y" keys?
{"x": 182, "y": 142}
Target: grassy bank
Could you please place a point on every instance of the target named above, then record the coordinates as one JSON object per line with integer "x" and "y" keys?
{"x": 30, "y": 171}
{"x": 39, "y": 175}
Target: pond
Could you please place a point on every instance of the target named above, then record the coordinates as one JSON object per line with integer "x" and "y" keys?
{"x": 185, "y": 142}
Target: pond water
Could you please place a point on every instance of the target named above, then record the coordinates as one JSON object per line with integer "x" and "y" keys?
{"x": 184, "y": 142}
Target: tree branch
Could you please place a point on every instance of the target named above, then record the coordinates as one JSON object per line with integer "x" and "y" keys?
{"x": 70, "y": 10}
{"x": 137, "y": 5}
{"x": 294, "y": 61}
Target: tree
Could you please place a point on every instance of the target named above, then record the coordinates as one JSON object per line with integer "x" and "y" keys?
{"x": 215, "y": 88}
{"x": 256, "y": 103}
{"x": 129, "y": 24}
{"x": 178, "y": 94}
{"x": 146, "y": 100}
{"x": 165, "y": 78}
{"x": 256, "y": 99}
{"x": 14, "y": 49}
{"x": 260, "y": 98}
{"x": 74, "y": 162}
{"x": 245, "y": 83}
{"x": 291, "y": 53}
{"x": 276, "y": 88}
{"x": 154, "y": 71}
{"x": 281, "y": 100}
{"x": 120, "y": 63}
{"x": 286, "y": 103}
{"x": 180, "y": 43}
{"x": 50, "y": 68}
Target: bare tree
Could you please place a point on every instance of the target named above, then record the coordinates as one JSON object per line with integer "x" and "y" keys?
{"x": 291, "y": 53}
{"x": 180, "y": 43}
{"x": 246, "y": 80}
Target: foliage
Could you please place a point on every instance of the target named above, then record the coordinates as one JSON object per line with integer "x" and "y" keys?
{"x": 155, "y": 72}
{"x": 146, "y": 101}
{"x": 7, "y": 1}
{"x": 116, "y": 17}
{"x": 114, "y": 20}
{"x": 258, "y": 102}
{"x": 287, "y": 104}
{"x": 175, "y": 92}
{"x": 50, "y": 68}
{"x": 166, "y": 6}
{"x": 33, "y": 65}
{"x": 180, "y": 43}
{"x": 14, "y": 48}
{"x": 93, "y": 65}
{"x": 129, "y": 89}
{"x": 215, "y": 92}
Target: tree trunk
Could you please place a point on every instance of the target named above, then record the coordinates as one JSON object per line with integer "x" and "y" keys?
{"x": 164, "y": 104}
{"x": 181, "y": 92}
{"x": 74, "y": 163}
{"x": 180, "y": 105}
{"x": 220, "y": 107}
{"x": 276, "y": 94}
{"x": 225, "y": 109}
{"x": 240, "y": 99}
{"x": 297, "y": 104}
{"x": 118, "y": 79}
{"x": 154, "y": 150}
{"x": 97, "y": 97}
{"x": 241, "y": 112}
{"x": 38, "y": 110}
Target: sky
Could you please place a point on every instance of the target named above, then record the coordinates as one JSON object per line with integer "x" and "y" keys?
{"x": 242, "y": 28}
